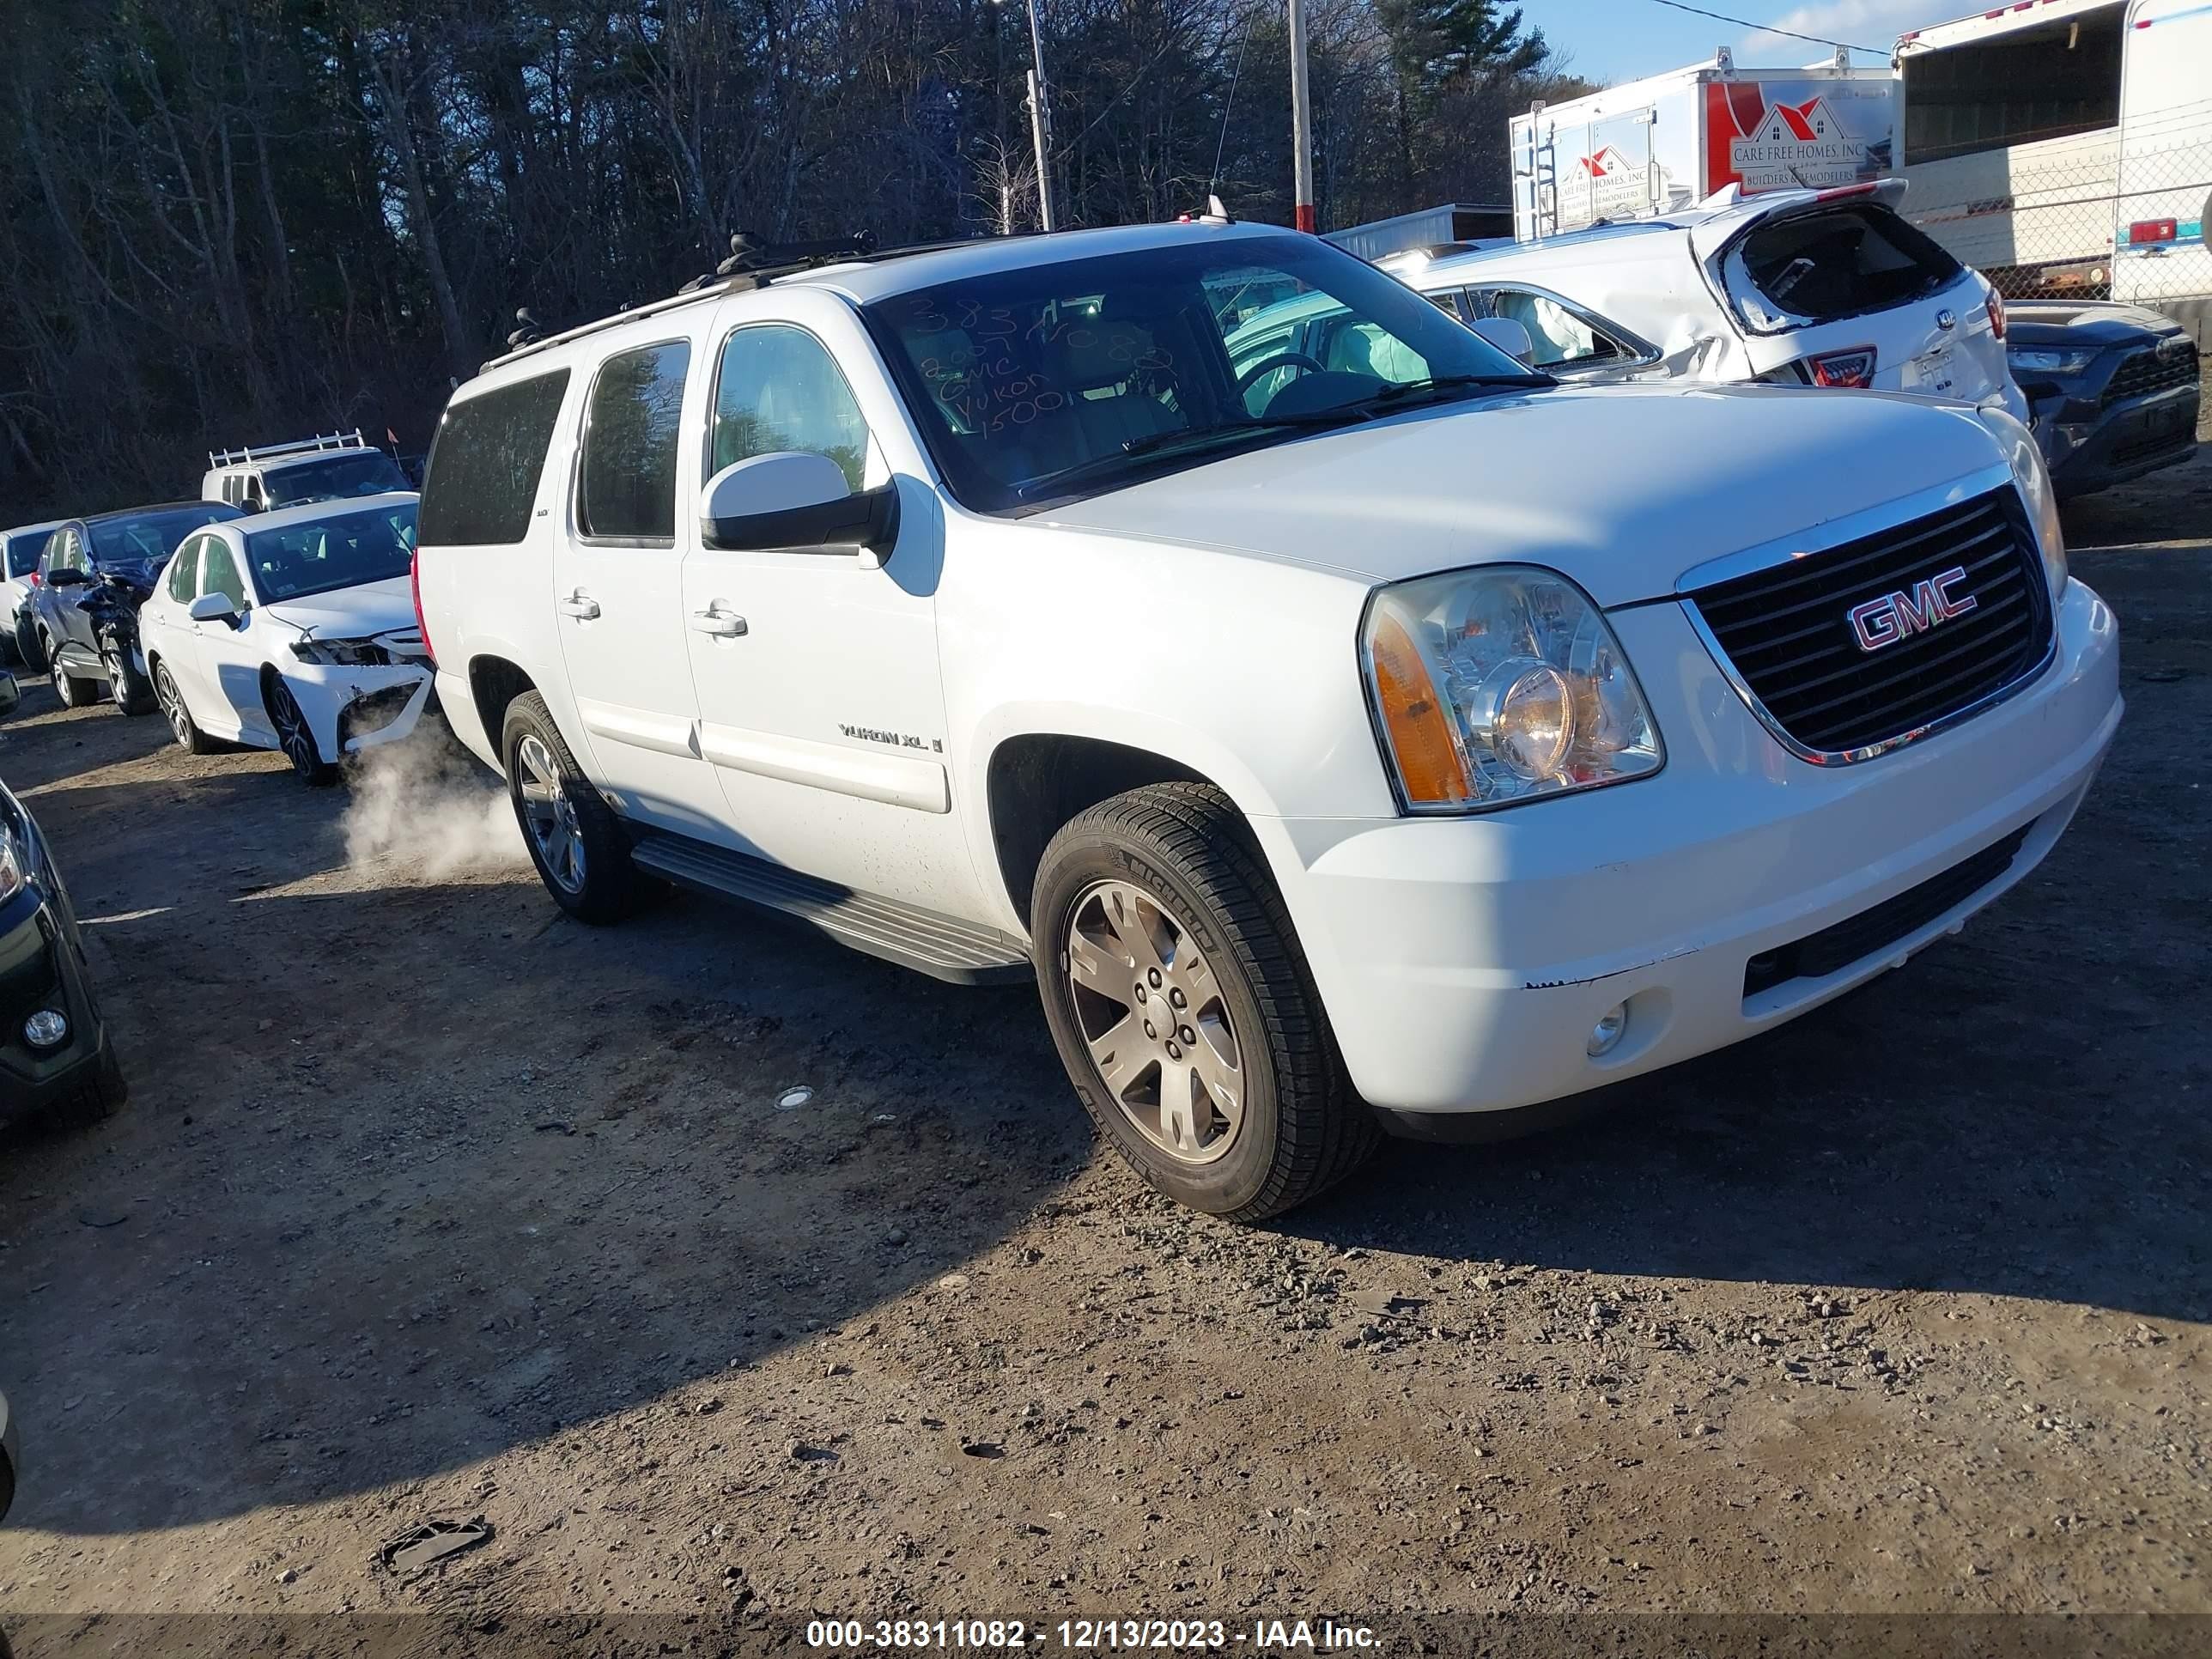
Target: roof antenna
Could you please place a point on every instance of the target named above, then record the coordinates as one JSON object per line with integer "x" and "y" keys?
{"x": 528, "y": 334}
{"x": 1215, "y": 213}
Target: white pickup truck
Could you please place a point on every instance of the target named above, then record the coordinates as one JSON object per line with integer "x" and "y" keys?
{"x": 1377, "y": 735}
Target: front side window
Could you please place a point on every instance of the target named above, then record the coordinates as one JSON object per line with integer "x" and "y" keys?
{"x": 219, "y": 573}
{"x": 1058, "y": 379}
{"x": 1565, "y": 340}
{"x": 626, "y": 482}
{"x": 344, "y": 551}
{"x": 182, "y": 569}
{"x": 23, "y": 551}
{"x": 61, "y": 554}
{"x": 360, "y": 472}
{"x": 480, "y": 483}
{"x": 779, "y": 389}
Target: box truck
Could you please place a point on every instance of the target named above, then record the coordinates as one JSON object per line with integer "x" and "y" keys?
{"x": 1658, "y": 145}
{"x": 2064, "y": 147}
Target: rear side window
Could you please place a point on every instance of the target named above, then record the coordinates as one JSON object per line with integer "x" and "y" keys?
{"x": 481, "y": 481}
{"x": 626, "y": 486}
{"x": 1839, "y": 262}
{"x": 178, "y": 581}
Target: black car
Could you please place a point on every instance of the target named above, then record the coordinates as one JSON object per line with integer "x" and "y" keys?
{"x": 55, "y": 1056}
{"x": 2114, "y": 389}
{"x": 133, "y": 545}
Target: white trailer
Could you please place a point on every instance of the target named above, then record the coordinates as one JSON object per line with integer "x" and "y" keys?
{"x": 1657, "y": 145}
{"x": 2064, "y": 147}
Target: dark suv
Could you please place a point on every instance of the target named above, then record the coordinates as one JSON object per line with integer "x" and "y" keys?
{"x": 2115, "y": 389}
{"x": 134, "y": 544}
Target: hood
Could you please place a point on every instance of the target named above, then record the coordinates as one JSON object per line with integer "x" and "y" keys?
{"x": 2074, "y": 324}
{"x": 350, "y": 613}
{"x": 1621, "y": 488}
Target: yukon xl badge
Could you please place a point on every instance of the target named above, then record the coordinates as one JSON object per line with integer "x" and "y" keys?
{"x": 1887, "y": 620}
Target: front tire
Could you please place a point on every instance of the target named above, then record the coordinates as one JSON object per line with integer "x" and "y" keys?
{"x": 74, "y": 693}
{"x": 1156, "y": 903}
{"x": 29, "y": 648}
{"x": 132, "y": 691}
{"x": 186, "y": 730}
{"x": 574, "y": 837}
{"x": 295, "y": 736}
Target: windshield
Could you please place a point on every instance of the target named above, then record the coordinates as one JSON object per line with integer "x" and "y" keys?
{"x": 1037, "y": 385}
{"x": 332, "y": 553}
{"x": 360, "y": 472}
{"x": 151, "y": 537}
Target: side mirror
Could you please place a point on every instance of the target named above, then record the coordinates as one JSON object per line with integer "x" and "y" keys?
{"x": 1509, "y": 336}
{"x": 211, "y": 607}
{"x": 11, "y": 697}
{"x": 791, "y": 500}
{"x": 67, "y": 579}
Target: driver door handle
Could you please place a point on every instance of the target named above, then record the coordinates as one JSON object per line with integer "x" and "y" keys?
{"x": 581, "y": 605}
{"x": 722, "y": 624}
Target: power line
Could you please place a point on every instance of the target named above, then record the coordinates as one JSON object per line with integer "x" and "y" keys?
{"x": 1763, "y": 29}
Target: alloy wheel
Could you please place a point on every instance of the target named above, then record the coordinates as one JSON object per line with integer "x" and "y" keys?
{"x": 173, "y": 705}
{"x": 292, "y": 734}
{"x": 117, "y": 688}
{"x": 1152, "y": 1013}
{"x": 550, "y": 815}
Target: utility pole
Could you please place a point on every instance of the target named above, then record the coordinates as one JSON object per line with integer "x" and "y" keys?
{"x": 1040, "y": 116}
{"x": 1302, "y": 184}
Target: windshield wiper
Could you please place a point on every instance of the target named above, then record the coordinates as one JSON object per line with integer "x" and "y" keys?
{"x": 1405, "y": 390}
{"x": 1194, "y": 437}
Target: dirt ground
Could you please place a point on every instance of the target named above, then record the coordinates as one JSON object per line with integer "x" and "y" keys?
{"x": 431, "y": 1203}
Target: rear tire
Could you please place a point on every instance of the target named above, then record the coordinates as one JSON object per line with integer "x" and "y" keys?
{"x": 1240, "y": 1106}
{"x": 182, "y": 725}
{"x": 574, "y": 837}
{"x": 132, "y": 691}
{"x": 74, "y": 692}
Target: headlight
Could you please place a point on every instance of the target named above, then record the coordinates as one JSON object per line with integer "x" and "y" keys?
{"x": 1501, "y": 685}
{"x": 15, "y": 863}
{"x": 2030, "y": 360}
{"x": 342, "y": 653}
{"x": 2025, "y": 456}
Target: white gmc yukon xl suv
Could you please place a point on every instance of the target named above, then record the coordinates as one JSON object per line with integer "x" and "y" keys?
{"x": 1365, "y": 735}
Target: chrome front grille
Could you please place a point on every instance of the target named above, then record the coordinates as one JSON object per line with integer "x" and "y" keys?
{"x": 1795, "y": 636}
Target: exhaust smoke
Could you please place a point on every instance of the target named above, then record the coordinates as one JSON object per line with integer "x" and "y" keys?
{"x": 428, "y": 803}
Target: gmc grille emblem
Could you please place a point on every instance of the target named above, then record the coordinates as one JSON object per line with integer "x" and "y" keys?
{"x": 1887, "y": 620}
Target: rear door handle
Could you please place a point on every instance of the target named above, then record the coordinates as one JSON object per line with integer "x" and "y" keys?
{"x": 581, "y": 605}
{"x": 722, "y": 624}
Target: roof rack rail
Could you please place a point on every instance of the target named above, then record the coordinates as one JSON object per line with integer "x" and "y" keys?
{"x": 752, "y": 264}
{"x": 239, "y": 457}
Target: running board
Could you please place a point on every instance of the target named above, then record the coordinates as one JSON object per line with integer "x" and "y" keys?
{"x": 935, "y": 945}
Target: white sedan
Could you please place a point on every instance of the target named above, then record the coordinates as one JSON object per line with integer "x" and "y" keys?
{"x": 293, "y": 631}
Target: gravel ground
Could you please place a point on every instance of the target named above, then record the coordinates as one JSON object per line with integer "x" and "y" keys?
{"x": 429, "y": 1203}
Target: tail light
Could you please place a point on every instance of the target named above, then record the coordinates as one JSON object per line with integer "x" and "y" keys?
{"x": 2152, "y": 230}
{"x": 1997, "y": 314}
{"x": 414, "y": 587}
{"x": 1852, "y": 370}
{"x": 33, "y": 577}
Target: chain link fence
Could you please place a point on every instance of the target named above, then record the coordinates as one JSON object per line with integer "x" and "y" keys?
{"x": 2117, "y": 214}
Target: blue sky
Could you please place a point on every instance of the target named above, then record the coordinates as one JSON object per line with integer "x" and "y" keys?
{"x": 1623, "y": 40}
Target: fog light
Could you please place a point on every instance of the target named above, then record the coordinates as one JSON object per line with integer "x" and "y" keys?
{"x": 45, "y": 1029}
{"x": 1605, "y": 1037}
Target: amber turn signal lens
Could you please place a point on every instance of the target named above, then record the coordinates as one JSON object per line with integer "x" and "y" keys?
{"x": 1429, "y": 762}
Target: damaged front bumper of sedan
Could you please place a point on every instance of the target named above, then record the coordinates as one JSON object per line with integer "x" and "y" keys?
{"x": 358, "y": 694}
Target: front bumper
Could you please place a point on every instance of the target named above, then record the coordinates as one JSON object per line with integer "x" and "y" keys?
{"x": 1464, "y": 962}
{"x": 2115, "y": 444}
{"x": 352, "y": 708}
{"x": 42, "y": 967}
